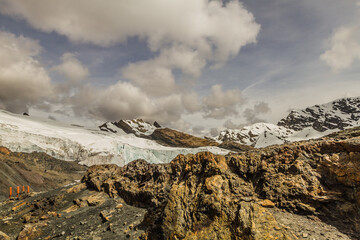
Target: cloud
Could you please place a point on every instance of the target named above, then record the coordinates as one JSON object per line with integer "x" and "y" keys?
{"x": 119, "y": 101}
{"x": 184, "y": 38}
{"x": 344, "y": 48}
{"x": 72, "y": 69}
{"x": 184, "y": 35}
{"x": 23, "y": 79}
{"x": 214, "y": 132}
{"x": 229, "y": 124}
{"x": 251, "y": 115}
{"x": 191, "y": 102}
{"x": 154, "y": 79}
{"x": 220, "y": 104}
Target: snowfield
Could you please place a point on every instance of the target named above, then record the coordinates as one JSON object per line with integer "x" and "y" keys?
{"x": 85, "y": 145}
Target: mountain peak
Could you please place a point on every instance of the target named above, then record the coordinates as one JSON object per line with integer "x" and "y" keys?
{"x": 338, "y": 114}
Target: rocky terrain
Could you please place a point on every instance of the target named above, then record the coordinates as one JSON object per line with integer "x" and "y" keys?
{"x": 137, "y": 127}
{"x": 339, "y": 114}
{"x": 38, "y": 170}
{"x": 301, "y": 190}
{"x": 254, "y": 134}
{"x": 164, "y": 136}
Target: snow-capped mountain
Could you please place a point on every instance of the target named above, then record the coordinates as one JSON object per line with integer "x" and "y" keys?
{"x": 312, "y": 122}
{"x": 250, "y": 134}
{"x": 137, "y": 127}
{"x": 338, "y": 115}
{"x": 87, "y": 146}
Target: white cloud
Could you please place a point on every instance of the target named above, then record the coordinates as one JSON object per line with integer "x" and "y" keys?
{"x": 72, "y": 69}
{"x": 344, "y": 48}
{"x": 23, "y": 80}
{"x": 185, "y": 34}
{"x": 155, "y": 79}
{"x": 219, "y": 104}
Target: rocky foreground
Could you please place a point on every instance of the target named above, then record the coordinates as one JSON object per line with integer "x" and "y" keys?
{"x": 303, "y": 190}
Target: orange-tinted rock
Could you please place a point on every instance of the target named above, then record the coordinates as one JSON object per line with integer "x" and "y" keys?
{"x": 4, "y": 150}
{"x": 267, "y": 203}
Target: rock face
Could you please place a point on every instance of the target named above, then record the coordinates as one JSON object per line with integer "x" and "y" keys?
{"x": 137, "y": 127}
{"x": 338, "y": 114}
{"x": 37, "y": 170}
{"x": 205, "y": 196}
{"x": 172, "y": 138}
{"x": 249, "y": 135}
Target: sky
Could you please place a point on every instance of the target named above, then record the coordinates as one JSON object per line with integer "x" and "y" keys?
{"x": 194, "y": 65}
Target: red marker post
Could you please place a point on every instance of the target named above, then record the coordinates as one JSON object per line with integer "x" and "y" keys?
{"x": 23, "y": 190}
{"x": 17, "y": 191}
{"x": 10, "y": 192}
{"x": 28, "y": 189}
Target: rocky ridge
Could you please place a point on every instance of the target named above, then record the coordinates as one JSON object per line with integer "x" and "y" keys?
{"x": 339, "y": 114}
{"x": 138, "y": 127}
{"x": 302, "y": 190}
{"x": 250, "y": 135}
{"x": 205, "y": 196}
{"x": 309, "y": 123}
{"x": 38, "y": 170}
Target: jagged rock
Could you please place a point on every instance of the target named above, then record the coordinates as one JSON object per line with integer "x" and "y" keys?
{"x": 173, "y": 138}
{"x": 76, "y": 188}
{"x": 94, "y": 200}
{"x": 267, "y": 203}
{"x": 4, "y": 236}
{"x": 31, "y": 231}
{"x": 338, "y": 114}
{"x": 156, "y": 124}
{"x": 194, "y": 195}
{"x": 4, "y": 151}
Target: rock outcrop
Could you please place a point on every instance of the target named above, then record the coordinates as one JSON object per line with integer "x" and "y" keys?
{"x": 172, "y": 138}
{"x": 303, "y": 190}
{"x": 38, "y": 170}
{"x": 205, "y": 196}
{"x": 338, "y": 114}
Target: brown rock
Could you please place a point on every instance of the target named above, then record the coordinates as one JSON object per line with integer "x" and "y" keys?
{"x": 77, "y": 188}
{"x": 72, "y": 208}
{"x": 204, "y": 196}
{"x": 173, "y": 138}
{"x": 260, "y": 224}
{"x": 31, "y": 231}
{"x": 267, "y": 203}
{"x": 94, "y": 200}
{"x": 44, "y": 217}
{"x": 54, "y": 214}
{"x": 4, "y": 151}
{"x": 119, "y": 206}
{"x": 4, "y": 236}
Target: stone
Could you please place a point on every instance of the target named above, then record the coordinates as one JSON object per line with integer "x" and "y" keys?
{"x": 267, "y": 203}
{"x": 96, "y": 199}
{"x": 4, "y": 236}
{"x": 44, "y": 217}
{"x": 119, "y": 206}
{"x": 31, "y": 231}
{"x": 72, "y": 208}
{"x": 77, "y": 188}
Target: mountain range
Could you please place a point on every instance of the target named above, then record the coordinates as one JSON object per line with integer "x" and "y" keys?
{"x": 127, "y": 140}
{"x": 144, "y": 181}
{"x": 308, "y": 123}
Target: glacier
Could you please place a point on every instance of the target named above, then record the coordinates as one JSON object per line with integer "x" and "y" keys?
{"x": 85, "y": 145}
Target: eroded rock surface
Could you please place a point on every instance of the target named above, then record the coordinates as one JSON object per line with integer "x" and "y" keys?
{"x": 303, "y": 190}
{"x": 205, "y": 196}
